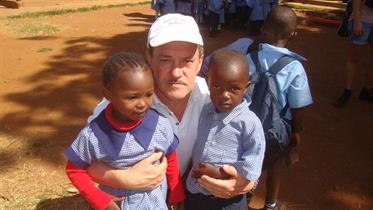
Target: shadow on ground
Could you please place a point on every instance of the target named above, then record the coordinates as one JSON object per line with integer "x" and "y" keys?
{"x": 72, "y": 202}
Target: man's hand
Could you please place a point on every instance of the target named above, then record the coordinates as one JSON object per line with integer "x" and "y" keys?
{"x": 235, "y": 185}
{"x": 144, "y": 175}
{"x": 112, "y": 205}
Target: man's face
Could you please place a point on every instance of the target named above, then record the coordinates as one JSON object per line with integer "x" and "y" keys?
{"x": 175, "y": 66}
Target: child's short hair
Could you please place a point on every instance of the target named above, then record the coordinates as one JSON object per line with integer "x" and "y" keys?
{"x": 281, "y": 22}
{"x": 127, "y": 61}
{"x": 227, "y": 57}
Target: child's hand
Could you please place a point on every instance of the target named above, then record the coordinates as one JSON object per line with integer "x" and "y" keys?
{"x": 209, "y": 170}
{"x": 112, "y": 205}
{"x": 293, "y": 156}
{"x": 176, "y": 206}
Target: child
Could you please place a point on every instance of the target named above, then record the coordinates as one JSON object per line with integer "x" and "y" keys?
{"x": 215, "y": 9}
{"x": 124, "y": 133}
{"x": 360, "y": 35}
{"x": 228, "y": 133}
{"x": 184, "y": 7}
{"x": 257, "y": 13}
{"x": 293, "y": 92}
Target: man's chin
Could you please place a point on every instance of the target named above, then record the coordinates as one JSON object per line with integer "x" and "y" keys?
{"x": 177, "y": 95}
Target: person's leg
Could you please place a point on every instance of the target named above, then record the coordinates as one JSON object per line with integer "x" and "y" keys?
{"x": 214, "y": 22}
{"x": 367, "y": 91}
{"x": 352, "y": 59}
{"x": 273, "y": 181}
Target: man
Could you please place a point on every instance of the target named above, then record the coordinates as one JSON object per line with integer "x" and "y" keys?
{"x": 175, "y": 54}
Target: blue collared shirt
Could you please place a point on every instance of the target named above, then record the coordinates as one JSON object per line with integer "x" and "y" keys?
{"x": 292, "y": 82}
{"x": 235, "y": 138}
{"x": 215, "y": 6}
{"x": 260, "y": 9}
{"x": 99, "y": 141}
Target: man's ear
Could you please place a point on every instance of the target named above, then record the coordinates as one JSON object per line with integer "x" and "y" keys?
{"x": 107, "y": 93}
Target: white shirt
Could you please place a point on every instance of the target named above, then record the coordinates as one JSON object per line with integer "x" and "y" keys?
{"x": 186, "y": 129}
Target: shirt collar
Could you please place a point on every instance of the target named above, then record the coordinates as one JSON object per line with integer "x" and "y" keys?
{"x": 227, "y": 117}
{"x": 111, "y": 139}
{"x": 285, "y": 51}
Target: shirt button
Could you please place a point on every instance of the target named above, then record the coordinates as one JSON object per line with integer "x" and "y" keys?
{"x": 177, "y": 123}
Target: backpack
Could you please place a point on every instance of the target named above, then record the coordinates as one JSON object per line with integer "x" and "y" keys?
{"x": 264, "y": 104}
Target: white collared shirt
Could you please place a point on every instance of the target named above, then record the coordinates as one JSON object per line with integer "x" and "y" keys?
{"x": 186, "y": 129}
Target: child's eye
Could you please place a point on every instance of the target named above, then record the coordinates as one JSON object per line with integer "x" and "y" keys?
{"x": 149, "y": 94}
{"x": 216, "y": 87}
{"x": 132, "y": 97}
{"x": 234, "y": 89}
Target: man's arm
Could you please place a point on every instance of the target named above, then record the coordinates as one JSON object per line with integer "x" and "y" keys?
{"x": 144, "y": 175}
{"x": 235, "y": 185}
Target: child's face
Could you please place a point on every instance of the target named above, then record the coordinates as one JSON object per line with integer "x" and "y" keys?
{"x": 131, "y": 94}
{"x": 227, "y": 87}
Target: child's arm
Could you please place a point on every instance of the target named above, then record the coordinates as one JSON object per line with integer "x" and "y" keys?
{"x": 83, "y": 182}
{"x": 175, "y": 184}
{"x": 297, "y": 126}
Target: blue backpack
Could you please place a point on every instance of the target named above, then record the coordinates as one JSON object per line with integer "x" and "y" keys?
{"x": 264, "y": 104}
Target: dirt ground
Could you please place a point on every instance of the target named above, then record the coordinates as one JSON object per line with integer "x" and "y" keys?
{"x": 50, "y": 84}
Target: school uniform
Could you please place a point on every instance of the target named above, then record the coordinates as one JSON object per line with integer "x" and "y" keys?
{"x": 215, "y": 9}
{"x": 259, "y": 11}
{"x": 366, "y": 16}
{"x": 166, "y": 6}
{"x": 292, "y": 81}
{"x": 184, "y": 7}
{"x": 235, "y": 138}
{"x": 292, "y": 89}
{"x": 186, "y": 129}
{"x": 100, "y": 141}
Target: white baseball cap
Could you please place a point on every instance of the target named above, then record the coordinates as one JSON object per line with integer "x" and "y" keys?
{"x": 174, "y": 27}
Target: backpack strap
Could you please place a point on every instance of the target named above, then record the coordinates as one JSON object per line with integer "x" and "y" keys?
{"x": 280, "y": 64}
{"x": 277, "y": 67}
{"x": 255, "y": 57}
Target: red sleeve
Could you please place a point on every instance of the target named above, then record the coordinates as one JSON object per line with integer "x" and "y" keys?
{"x": 175, "y": 185}
{"x": 83, "y": 182}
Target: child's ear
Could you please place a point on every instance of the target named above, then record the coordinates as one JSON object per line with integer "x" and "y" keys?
{"x": 107, "y": 93}
{"x": 293, "y": 35}
{"x": 248, "y": 84}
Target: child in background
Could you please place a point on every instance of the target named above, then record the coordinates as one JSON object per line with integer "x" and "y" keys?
{"x": 184, "y": 7}
{"x": 124, "y": 133}
{"x": 257, "y": 13}
{"x": 361, "y": 35}
{"x": 215, "y": 10}
{"x": 228, "y": 133}
{"x": 293, "y": 93}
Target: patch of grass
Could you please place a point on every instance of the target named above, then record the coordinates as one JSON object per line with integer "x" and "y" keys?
{"x": 36, "y": 29}
{"x": 69, "y": 11}
{"x": 44, "y": 49}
